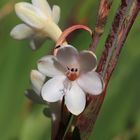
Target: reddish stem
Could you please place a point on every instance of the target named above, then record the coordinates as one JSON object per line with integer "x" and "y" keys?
{"x": 88, "y": 118}
{"x": 69, "y": 30}
{"x": 66, "y": 33}
{"x": 122, "y": 35}
{"x": 104, "y": 8}
{"x": 110, "y": 42}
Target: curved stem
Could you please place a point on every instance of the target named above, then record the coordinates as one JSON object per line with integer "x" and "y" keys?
{"x": 62, "y": 39}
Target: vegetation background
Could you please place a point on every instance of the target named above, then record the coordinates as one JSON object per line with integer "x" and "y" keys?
{"x": 119, "y": 118}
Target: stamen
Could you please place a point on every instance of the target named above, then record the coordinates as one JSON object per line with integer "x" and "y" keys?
{"x": 68, "y": 68}
{"x": 72, "y": 69}
{"x": 76, "y": 70}
{"x": 72, "y": 73}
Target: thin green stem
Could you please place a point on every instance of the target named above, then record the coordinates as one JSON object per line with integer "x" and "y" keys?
{"x": 68, "y": 129}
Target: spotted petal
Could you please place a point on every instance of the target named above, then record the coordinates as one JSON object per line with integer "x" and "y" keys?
{"x": 21, "y": 31}
{"x": 43, "y": 5}
{"x": 68, "y": 56}
{"x": 49, "y": 66}
{"x": 88, "y": 61}
{"x": 91, "y": 83}
{"x": 75, "y": 99}
{"x": 52, "y": 90}
{"x": 30, "y": 14}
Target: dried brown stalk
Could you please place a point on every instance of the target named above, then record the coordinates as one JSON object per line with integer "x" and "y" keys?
{"x": 104, "y": 8}
{"x": 111, "y": 39}
{"x": 108, "y": 61}
{"x": 122, "y": 35}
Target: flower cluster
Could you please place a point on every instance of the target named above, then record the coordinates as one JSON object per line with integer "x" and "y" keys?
{"x": 40, "y": 22}
{"x": 72, "y": 76}
{"x": 71, "y": 73}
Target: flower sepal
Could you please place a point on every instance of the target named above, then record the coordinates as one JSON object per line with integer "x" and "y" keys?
{"x": 34, "y": 97}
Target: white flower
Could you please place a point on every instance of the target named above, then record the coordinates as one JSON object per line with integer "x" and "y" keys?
{"x": 40, "y": 22}
{"x": 37, "y": 80}
{"x": 73, "y": 74}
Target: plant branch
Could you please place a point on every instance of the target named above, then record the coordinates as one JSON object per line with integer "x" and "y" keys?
{"x": 87, "y": 119}
{"x": 122, "y": 35}
{"x": 111, "y": 39}
{"x": 104, "y": 8}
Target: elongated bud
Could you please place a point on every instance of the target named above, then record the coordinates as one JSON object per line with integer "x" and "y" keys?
{"x": 37, "y": 80}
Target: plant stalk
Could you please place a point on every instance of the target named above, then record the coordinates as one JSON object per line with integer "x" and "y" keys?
{"x": 104, "y": 8}
{"x": 108, "y": 61}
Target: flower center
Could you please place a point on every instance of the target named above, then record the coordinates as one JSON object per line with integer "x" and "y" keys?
{"x": 72, "y": 73}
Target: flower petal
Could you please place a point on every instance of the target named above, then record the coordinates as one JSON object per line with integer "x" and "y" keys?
{"x": 68, "y": 56}
{"x": 56, "y": 13}
{"x": 30, "y": 14}
{"x": 37, "y": 80}
{"x": 52, "y": 90}
{"x": 75, "y": 99}
{"x": 49, "y": 66}
{"x": 91, "y": 83}
{"x": 43, "y": 5}
{"x": 88, "y": 61}
{"x": 21, "y": 31}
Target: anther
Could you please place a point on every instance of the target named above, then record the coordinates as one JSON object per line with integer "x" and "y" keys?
{"x": 76, "y": 70}
{"x": 72, "y": 69}
{"x": 68, "y": 68}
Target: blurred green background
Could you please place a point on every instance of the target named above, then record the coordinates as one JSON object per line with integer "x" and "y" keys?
{"x": 119, "y": 118}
